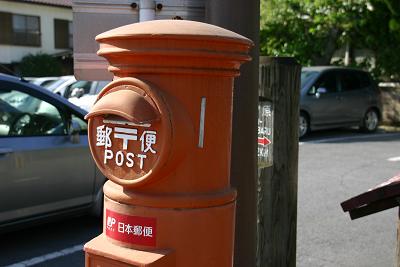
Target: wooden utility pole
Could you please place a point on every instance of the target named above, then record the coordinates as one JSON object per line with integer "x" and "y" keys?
{"x": 243, "y": 17}
{"x": 277, "y": 193}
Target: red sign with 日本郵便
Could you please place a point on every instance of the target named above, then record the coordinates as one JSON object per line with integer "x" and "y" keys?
{"x": 131, "y": 229}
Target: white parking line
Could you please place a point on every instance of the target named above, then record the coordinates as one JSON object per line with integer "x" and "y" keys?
{"x": 394, "y": 159}
{"x": 47, "y": 257}
{"x": 338, "y": 139}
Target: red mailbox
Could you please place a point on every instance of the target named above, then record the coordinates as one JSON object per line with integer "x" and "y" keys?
{"x": 161, "y": 133}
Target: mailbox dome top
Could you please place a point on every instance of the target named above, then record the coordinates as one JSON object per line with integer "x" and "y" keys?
{"x": 173, "y": 28}
{"x": 173, "y": 46}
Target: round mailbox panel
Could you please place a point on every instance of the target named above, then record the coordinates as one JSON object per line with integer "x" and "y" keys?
{"x": 128, "y": 134}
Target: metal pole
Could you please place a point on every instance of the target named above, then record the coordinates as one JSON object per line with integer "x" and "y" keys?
{"x": 147, "y": 10}
{"x": 243, "y": 17}
{"x": 347, "y": 54}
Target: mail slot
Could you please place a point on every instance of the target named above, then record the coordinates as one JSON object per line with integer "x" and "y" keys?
{"x": 161, "y": 133}
{"x": 133, "y": 136}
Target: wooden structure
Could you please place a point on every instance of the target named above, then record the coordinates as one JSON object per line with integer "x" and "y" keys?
{"x": 277, "y": 198}
{"x": 382, "y": 197}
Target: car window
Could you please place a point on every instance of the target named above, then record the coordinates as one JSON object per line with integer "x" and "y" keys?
{"x": 47, "y": 83}
{"x": 77, "y": 88}
{"x": 328, "y": 81}
{"x": 364, "y": 78}
{"x": 82, "y": 124}
{"x": 100, "y": 86}
{"x": 349, "y": 81}
{"x": 24, "y": 115}
{"x": 56, "y": 84}
{"x": 307, "y": 76}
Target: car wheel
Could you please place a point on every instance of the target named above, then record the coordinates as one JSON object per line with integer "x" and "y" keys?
{"x": 304, "y": 125}
{"x": 370, "y": 121}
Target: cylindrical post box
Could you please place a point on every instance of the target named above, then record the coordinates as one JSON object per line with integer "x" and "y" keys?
{"x": 161, "y": 134}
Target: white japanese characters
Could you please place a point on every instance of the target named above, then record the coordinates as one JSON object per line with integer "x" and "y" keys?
{"x": 148, "y": 139}
{"x": 125, "y": 156}
{"x": 265, "y": 134}
{"x": 128, "y": 229}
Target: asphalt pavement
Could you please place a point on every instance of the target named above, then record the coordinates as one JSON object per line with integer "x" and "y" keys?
{"x": 332, "y": 169}
{"x": 333, "y": 166}
{"x": 57, "y": 244}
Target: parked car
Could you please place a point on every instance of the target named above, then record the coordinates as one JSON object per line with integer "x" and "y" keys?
{"x": 81, "y": 93}
{"x": 73, "y": 88}
{"x": 332, "y": 97}
{"x": 60, "y": 83}
{"x": 46, "y": 169}
{"x": 85, "y": 100}
{"x": 42, "y": 81}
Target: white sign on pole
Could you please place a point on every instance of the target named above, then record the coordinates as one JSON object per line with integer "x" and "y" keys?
{"x": 265, "y": 134}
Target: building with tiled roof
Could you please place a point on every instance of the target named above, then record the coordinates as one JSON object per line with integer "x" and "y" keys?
{"x": 33, "y": 27}
{"x": 61, "y": 3}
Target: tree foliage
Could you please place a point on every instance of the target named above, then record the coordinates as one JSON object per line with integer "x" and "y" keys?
{"x": 39, "y": 65}
{"x": 382, "y": 35}
{"x": 312, "y": 30}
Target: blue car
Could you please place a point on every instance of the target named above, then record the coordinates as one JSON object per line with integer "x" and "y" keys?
{"x": 46, "y": 169}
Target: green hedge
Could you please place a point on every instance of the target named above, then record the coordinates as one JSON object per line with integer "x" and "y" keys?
{"x": 39, "y": 65}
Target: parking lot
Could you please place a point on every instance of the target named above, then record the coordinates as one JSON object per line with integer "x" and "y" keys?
{"x": 333, "y": 166}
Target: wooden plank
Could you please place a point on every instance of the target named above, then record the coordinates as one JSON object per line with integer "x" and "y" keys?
{"x": 374, "y": 207}
{"x": 388, "y": 189}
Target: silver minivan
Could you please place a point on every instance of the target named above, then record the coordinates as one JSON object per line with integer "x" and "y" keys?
{"x": 46, "y": 169}
{"x": 333, "y": 97}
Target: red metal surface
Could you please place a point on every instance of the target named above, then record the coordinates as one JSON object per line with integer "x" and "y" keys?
{"x": 173, "y": 79}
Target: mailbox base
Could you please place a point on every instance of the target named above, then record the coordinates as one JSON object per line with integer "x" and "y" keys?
{"x": 99, "y": 252}
{"x": 199, "y": 229}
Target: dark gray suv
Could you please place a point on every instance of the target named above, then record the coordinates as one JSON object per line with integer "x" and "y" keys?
{"x": 332, "y": 97}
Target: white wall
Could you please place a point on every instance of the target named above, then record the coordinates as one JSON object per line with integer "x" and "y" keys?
{"x": 359, "y": 55}
{"x": 47, "y": 15}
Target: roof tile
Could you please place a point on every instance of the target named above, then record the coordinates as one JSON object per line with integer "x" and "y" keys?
{"x": 64, "y": 3}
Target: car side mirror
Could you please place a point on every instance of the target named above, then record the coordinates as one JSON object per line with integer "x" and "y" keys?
{"x": 320, "y": 91}
{"x": 74, "y": 130}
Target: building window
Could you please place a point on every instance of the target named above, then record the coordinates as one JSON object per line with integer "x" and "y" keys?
{"x": 70, "y": 34}
{"x": 26, "y": 30}
{"x": 19, "y": 29}
{"x": 62, "y": 34}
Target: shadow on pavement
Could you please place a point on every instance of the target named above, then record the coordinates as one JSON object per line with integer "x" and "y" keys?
{"x": 351, "y": 135}
{"x": 22, "y": 245}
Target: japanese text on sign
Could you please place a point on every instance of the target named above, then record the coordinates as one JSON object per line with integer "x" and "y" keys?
{"x": 126, "y": 228}
{"x": 147, "y": 139}
{"x": 265, "y": 124}
{"x": 131, "y": 229}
